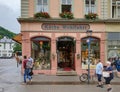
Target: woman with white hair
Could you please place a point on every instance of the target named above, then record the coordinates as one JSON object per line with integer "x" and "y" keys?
{"x": 108, "y": 79}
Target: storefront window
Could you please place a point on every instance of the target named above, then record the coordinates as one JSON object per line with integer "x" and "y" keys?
{"x": 113, "y": 45}
{"x": 41, "y": 52}
{"x": 94, "y": 52}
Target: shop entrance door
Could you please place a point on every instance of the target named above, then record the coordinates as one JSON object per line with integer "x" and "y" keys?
{"x": 65, "y": 54}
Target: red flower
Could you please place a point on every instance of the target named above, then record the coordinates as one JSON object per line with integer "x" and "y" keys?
{"x": 42, "y": 15}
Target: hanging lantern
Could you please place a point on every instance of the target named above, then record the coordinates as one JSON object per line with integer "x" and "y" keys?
{"x": 41, "y": 42}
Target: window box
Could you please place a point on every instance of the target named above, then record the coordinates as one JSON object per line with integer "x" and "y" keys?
{"x": 41, "y": 15}
{"x": 91, "y": 16}
{"x": 67, "y": 15}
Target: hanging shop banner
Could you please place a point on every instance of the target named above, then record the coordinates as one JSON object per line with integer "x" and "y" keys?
{"x": 49, "y": 26}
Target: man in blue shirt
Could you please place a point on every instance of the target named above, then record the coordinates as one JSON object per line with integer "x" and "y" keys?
{"x": 99, "y": 70}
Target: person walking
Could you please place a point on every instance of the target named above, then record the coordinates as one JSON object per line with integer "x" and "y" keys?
{"x": 26, "y": 70}
{"x": 108, "y": 79}
{"x": 31, "y": 67}
{"x": 118, "y": 64}
{"x": 99, "y": 70}
{"x": 17, "y": 59}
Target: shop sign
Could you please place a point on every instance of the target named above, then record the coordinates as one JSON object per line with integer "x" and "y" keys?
{"x": 48, "y": 26}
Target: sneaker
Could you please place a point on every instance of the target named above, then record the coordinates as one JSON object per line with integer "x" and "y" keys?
{"x": 109, "y": 89}
{"x": 30, "y": 82}
{"x": 101, "y": 86}
{"x": 24, "y": 83}
{"x": 98, "y": 86}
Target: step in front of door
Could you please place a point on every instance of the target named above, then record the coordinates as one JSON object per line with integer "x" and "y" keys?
{"x": 66, "y": 73}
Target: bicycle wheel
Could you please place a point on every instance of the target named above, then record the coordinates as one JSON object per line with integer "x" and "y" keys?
{"x": 83, "y": 77}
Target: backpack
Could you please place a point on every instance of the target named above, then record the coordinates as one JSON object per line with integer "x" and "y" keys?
{"x": 118, "y": 65}
{"x": 118, "y": 62}
{"x": 118, "y": 68}
{"x": 28, "y": 64}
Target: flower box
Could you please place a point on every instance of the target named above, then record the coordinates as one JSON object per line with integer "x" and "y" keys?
{"x": 66, "y": 15}
{"x": 91, "y": 16}
{"x": 41, "y": 15}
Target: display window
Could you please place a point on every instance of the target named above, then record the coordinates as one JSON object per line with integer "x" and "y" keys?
{"x": 94, "y": 52}
{"x": 41, "y": 49}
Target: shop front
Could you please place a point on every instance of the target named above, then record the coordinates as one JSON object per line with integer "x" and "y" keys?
{"x": 58, "y": 47}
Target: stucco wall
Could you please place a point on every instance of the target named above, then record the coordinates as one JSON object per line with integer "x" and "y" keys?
{"x": 113, "y": 27}
{"x": 54, "y": 8}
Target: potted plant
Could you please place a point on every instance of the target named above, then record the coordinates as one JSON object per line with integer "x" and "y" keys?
{"x": 91, "y": 16}
{"x": 41, "y": 15}
{"x": 67, "y": 15}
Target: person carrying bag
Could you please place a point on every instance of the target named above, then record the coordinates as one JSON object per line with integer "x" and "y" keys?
{"x": 108, "y": 75}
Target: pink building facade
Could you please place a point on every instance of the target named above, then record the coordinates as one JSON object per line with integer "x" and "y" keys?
{"x": 58, "y": 45}
{"x": 29, "y": 35}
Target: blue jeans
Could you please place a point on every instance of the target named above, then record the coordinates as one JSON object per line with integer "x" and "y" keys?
{"x": 26, "y": 74}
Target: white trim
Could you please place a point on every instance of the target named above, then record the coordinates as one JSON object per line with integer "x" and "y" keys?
{"x": 110, "y": 8}
{"x": 116, "y": 10}
{"x": 90, "y": 9}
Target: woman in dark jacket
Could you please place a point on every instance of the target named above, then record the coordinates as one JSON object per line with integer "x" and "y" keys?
{"x": 109, "y": 69}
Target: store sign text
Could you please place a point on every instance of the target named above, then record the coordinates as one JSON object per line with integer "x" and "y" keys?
{"x": 47, "y": 26}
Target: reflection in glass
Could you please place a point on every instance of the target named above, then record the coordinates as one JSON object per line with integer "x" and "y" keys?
{"x": 94, "y": 52}
{"x": 41, "y": 52}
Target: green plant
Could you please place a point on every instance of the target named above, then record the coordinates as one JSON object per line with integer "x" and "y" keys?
{"x": 68, "y": 15}
{"x": 91, "y": 16}
{"x": 41, "y": 15}
{"x": 17, "y": 47}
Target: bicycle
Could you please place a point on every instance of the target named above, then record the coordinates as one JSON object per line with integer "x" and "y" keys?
{"x": 84, "y": 77}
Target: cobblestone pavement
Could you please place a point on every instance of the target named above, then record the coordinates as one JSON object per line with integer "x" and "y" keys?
{"x": 11, "y": 81}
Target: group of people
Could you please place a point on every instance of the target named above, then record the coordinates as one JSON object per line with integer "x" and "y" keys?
{"x": 28, "y": 69}
{"x": 100, "y": 69}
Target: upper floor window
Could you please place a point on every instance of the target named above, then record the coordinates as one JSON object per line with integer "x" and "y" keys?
{"x": 90, "y": 6}
{"x": 115, "y": 9}
{"x": 42, "y": 6}
{"x": 66, "y": 5}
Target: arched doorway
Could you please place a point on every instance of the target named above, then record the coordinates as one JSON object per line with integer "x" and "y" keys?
{"x": 41, "y": 49}
{"x": 65, "y": 53}
{"x": 94, "y": 52}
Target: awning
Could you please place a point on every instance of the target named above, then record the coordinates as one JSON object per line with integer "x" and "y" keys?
{"x": 18, "y": 38}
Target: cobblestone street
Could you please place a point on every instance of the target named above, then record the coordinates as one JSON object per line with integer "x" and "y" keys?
{"x": 11, "y": 81}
